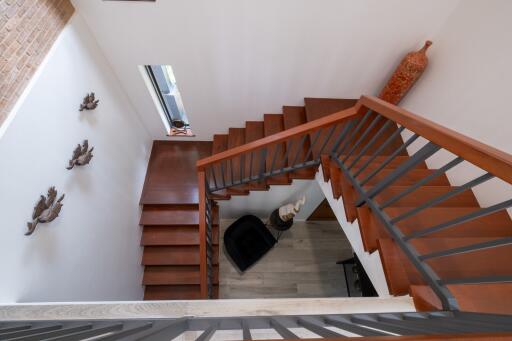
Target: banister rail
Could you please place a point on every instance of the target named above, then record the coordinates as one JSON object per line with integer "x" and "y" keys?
{"x": 323, "y": 122}
{"x": 482, "y": 155}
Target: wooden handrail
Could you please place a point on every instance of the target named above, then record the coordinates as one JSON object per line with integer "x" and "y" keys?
{"x": 279, "y": 137}
{"x": 484, "y": 156}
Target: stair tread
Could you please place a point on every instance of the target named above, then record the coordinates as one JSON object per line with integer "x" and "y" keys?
{"x": 174, "y": 235}
{"x": 273, "y": 124}
{"x": 175, "y": 292}
{"x": 496, "y": 300}
{"x": 293, "y": 117}
{"x": 410, "y": 178}
{"x": 173, "y": 215}
{"x": 425, "y": 193}
{"x": 395, "y": 162}
{"x": 497, "y": 224}
{"x": 466, "y": 265}
{"x": 174, "y": 275}
{"x": 174, "y": 255}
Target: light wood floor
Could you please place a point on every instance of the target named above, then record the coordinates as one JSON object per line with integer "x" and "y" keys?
{"x": 302, "y": 264}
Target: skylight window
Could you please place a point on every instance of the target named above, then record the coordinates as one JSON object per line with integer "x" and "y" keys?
{"x": 168, "y": 99}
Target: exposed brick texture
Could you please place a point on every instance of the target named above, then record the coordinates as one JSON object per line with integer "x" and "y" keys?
{"x": 28, "y": 28}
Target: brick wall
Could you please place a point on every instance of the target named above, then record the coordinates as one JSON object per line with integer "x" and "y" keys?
{"x": 28, "y": 28}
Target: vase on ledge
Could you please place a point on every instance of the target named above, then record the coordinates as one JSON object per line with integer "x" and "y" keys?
{"x": 405, "y": 75}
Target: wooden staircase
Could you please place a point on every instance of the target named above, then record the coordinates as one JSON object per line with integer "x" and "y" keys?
{"x": 170, "y": 200}
{"x": 402, "y": 276}
{"x": 351, "y": 150}
{"x": 170, "y": 222}
{"x": 291, "y": 117}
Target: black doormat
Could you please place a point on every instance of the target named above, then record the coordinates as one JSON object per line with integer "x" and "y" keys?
{"x": 247, "y": 240}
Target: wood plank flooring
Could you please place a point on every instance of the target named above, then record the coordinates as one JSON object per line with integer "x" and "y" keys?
{"x": 302, "y": 264}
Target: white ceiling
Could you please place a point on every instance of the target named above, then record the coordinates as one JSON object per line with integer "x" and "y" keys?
{"x": 237, "y": 59}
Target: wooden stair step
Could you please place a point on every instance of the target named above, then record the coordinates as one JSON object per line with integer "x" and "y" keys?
{"x": 482, "y": 263}
{"x": 394, "y": 268}
{"x": 174, "y": 255}
{"x": 175, "y": 235}
{"x": 174, "y": 275}
{"x": 335, "y": 178}
{"x": 175, "y": 292}
{"x": 169, "y": 215}
{"x": 424, "y": 194}
{"x": 273, "y": 124}
{"x": 495, "y": 225}
{"x": 496, "y": 300}
{"x": 174, "y": 215}
{"x": 220, "y": 143}
{"x": 292, "y": 117}
{"x": 379, "y": 160}
{"x": 410, "y": 178}
{"x": 325, "y": 160}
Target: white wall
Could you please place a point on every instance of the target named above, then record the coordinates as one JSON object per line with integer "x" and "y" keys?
{"x": 261, "y": 204}
{"x": 237, "y": 59}
{"x": 90, "y": 252}
{"x": 467, "y": 84}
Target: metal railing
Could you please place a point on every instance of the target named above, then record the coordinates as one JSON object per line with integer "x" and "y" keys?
{"x": 349, "y": 159}
{"x": 434, "y": 326}
{"x": 364, "y": 136}
{"x": 275, "y": 155}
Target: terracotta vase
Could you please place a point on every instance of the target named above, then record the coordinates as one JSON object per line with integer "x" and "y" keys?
{"x": 405, "y": 75}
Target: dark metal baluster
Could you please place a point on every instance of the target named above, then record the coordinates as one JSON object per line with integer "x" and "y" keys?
{"x": 421, "y": 155}
{"x": 285, "y": 158}
{"x": 121, "y": 335}
{"x": 313, "y": 143}
{"x": 246, "y": 332}
{"x": 354, "y": 132}
{"x": 346, "y": 129}
{"x": 370, "y": 143}
{"x": 232, "y": 172}
{"x": 317, "y": 328}
{"x": 463, "y": 219}
{"x": 284, "y": 332}
{"x": 299, "y": 149}
{"x": 441, "y": 198}
{"x": 222, "y": 173}
{"x": 263, "y": 157}
{"x": 329, "y": 135}
{"x": 379, "y": 150}
{"x": 390, "y": 158}
{"x": 423, "y": 181}
{"x": 362, "y": 137}
{"x": 345, "y": 324}
{"x": 274, "y": 157}
{"x": 250, "y": 165}
{"x": 212, "y": 169}
{"x": 242, "y": 167}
